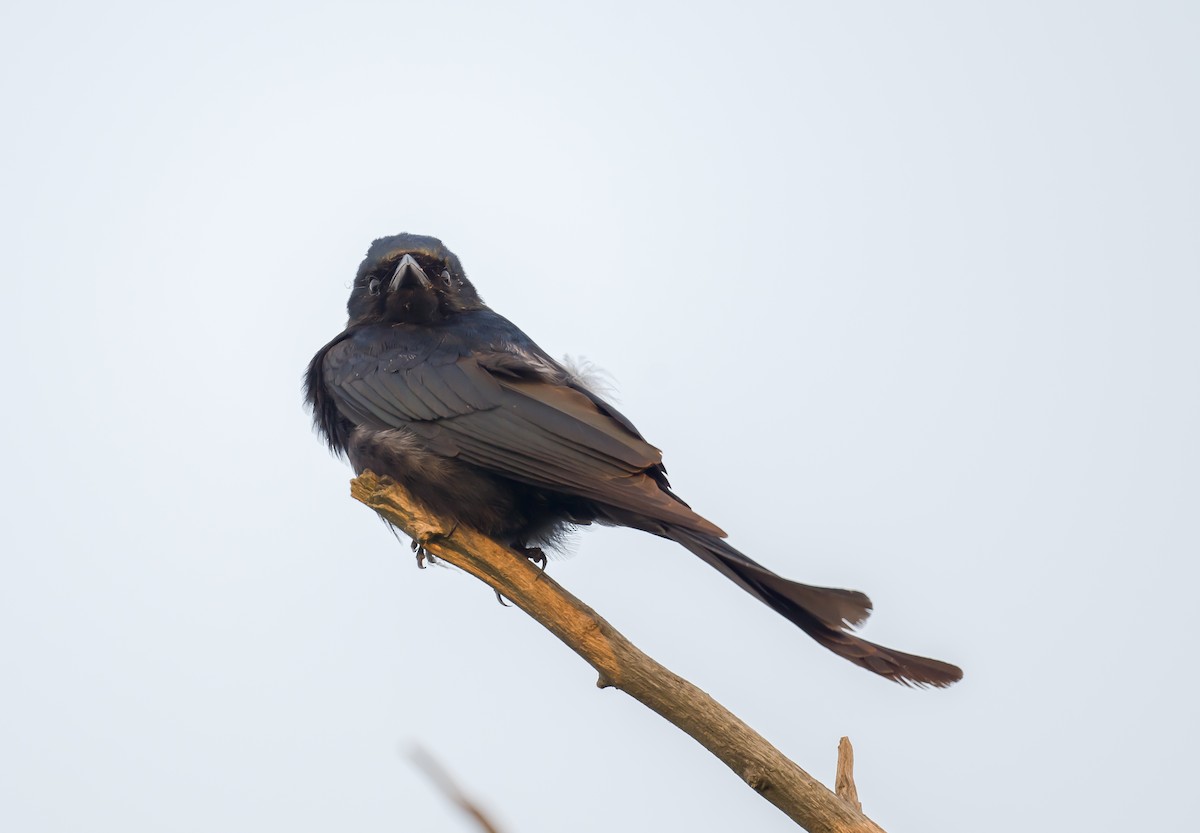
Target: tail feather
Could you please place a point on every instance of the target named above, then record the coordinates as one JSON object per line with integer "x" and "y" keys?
{"x": 823, "y": 613}
{"x": 897, "y": 666}
{"x": 832, "y": 607}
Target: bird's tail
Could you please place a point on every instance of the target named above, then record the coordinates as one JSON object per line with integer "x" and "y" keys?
{"x": 823, "y": 613}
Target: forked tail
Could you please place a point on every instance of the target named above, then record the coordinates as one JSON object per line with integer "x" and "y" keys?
{"x": 823, "y": 613}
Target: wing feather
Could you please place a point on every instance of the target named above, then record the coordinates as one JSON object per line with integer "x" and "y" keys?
{"x": 529, "y": 429}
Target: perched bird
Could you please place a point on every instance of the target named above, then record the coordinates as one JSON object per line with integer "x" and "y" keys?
{"x": 430, "y": 387}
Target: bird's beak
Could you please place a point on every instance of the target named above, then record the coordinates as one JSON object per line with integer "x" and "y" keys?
{"x": 409, "y": 275}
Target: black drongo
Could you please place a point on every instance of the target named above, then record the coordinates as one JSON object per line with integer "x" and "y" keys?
{"x": 428, "y": 386}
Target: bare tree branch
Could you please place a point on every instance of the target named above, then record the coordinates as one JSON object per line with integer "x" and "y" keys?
{"x": 619, "y": 663}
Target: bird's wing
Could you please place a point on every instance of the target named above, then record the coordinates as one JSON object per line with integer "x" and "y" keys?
{"x": 498, "y": 411}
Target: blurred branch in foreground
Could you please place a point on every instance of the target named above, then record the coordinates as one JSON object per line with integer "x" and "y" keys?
{"x": 619, "y": 662}
{"x": 449, "y": 787}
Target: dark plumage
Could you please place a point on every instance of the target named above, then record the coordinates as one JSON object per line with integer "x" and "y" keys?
{"x": 428, "y": 386}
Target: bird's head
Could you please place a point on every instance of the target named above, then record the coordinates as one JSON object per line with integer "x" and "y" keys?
{"x": 410, "y": 279}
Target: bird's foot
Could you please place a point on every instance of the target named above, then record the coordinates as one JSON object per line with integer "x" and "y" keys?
{"x": 418, "y": 546}
{"x": 534, "y": 554}
{"x": 422, "y": 555}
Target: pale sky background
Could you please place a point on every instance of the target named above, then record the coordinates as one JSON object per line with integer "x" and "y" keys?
{"x": 908, "y": 292}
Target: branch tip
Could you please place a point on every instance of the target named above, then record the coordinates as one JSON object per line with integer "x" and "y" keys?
{"x": 844, "y": 780}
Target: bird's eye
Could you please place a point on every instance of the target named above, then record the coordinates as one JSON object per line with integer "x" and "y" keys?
{"x": 373, "y": 286}
{"x": 446, "y": 278}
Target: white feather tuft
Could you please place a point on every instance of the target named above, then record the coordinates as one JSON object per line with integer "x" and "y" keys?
{"x": 591, "y": 376}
